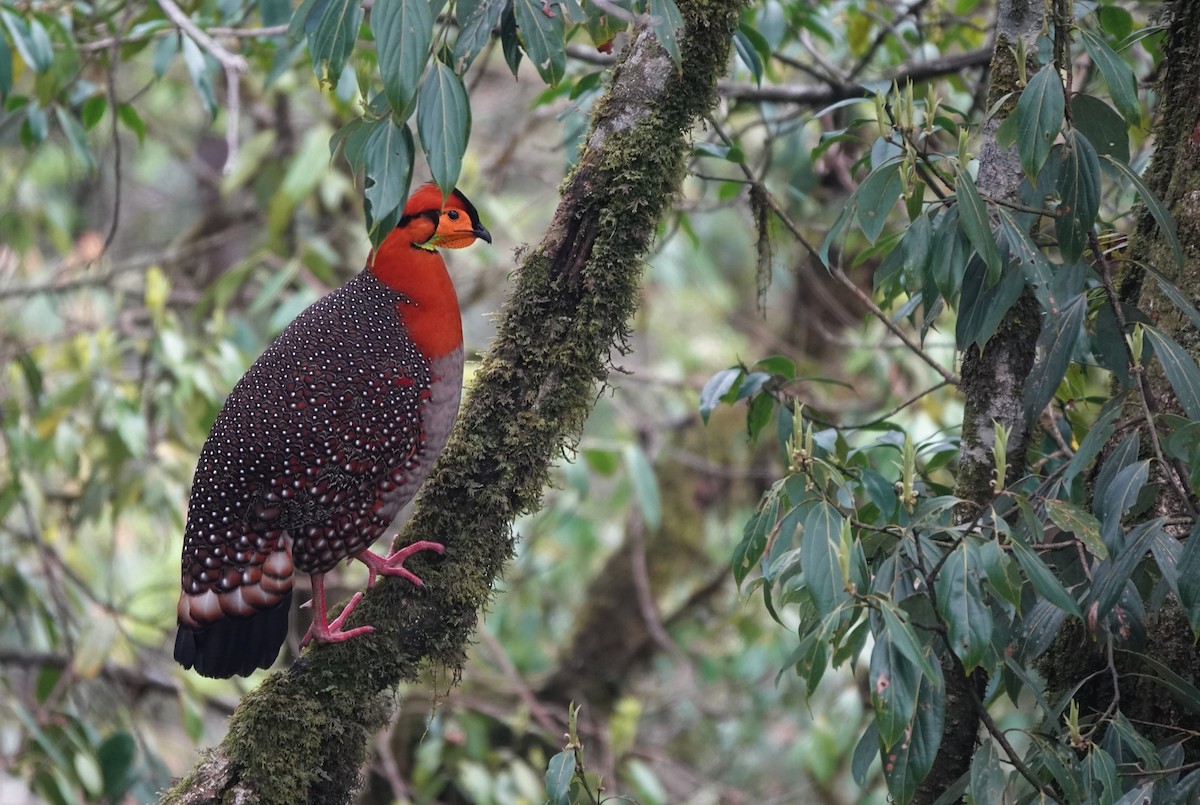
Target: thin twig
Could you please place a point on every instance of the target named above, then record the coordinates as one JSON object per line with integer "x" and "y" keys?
{"x": 1143, "y": 392}
{"x": 232, "y": 63}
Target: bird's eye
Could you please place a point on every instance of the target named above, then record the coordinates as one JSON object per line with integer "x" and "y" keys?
{"x": 452, "y": 215}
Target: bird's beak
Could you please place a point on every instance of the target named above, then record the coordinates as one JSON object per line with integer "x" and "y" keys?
{"x": 482, "y": 233}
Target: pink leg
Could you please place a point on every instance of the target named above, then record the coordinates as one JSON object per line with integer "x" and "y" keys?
{"x": 393, "y": 563}
{"x": 323, "y": 630}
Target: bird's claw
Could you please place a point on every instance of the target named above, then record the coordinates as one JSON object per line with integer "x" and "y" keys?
{"x": 393, "y": 563}
{"x": 332, "y": 631}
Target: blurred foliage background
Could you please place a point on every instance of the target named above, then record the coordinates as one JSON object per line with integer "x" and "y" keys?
{"x": 166, "y": 209}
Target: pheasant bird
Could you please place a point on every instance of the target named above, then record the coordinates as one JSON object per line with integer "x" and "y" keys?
{"x": 322, "y": 442}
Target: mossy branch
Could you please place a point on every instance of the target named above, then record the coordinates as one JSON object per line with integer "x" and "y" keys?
{"x": 303, "y": 735}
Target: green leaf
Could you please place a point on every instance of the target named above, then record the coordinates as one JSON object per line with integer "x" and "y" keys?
{"x": 510, "y": 42}
{"x": 1078, "y": 190}
{"x": 982, "y": 308}
{"x": 387, "y": 159}
{"x": 748, "y": 54}
{"x": 1119, "y": 496}
{"x": 1180, "y": 369}
{"x": 1080, "y": 522}
{"x": 1189, "y": 579}
{"x": 6, "y": 70}
{"x": 92, "y": 111}
{"x": 821, "y": 547}
{"x": 481, "y": 19}
{"x": 1042, "y": 577}
{"x": 76, "y": 136}
{"x": 403, "y": 31}
{"x": 972, "y": 217}
{"x": 987, "y": 776}
{"x": 1024, "y": 253}
{"x": 1166, "y": 223}
{"x": 905, "y": 639}
{"x": 116, "y": 755}
{"x": 1055, "y": 347}
{"x": 1117, "y": 74}
{"x": 1039, "y": 118}
{"x": 559, "y": 773}
{"x": 444, "y": 123}
{"x": 1177, "y": 297}
{"x": 197, "y": 67}
{"x": 1101, "y": 124}
{"x": 909, "y": 762}
{"x": 1180, "y": 689}
{"x": 129, "y": 117}
{"x": 960, "y": 601}
{"x": 894, "y": 683}
{"x": 645, "y": 485}
{"x": 865, "y": 752}
{"x": 1095, "y": 439}
{"x": 876, "y": 196}
{"x": 542, "y": 34}
{"x": 949, "y": 251}
{"x": 1111, "y": 575}
{"x": 754, "y": 536}
{"x": 31, "y": 41}
{"x": 716, "y": 388}
{"x": 668, "y": 22}
{"x": 331, "y": 41}
{"x": 1001, "y": 571}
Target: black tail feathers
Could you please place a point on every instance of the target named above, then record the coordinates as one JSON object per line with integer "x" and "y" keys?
{"x": 234, "y": 646}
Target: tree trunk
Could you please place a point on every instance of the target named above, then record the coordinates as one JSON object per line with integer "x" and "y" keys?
{"x": 993, "y": 382}
{"x": 303, "y": 735}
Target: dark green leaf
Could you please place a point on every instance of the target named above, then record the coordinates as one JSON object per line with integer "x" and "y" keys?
{"x": 387, "y": 160}
{"x": 165, "y": 51}
{"x": 403, "y": 31}
{"x": 1103, "y": 127}
{"x": 894, "y": 682}
{"x": 1189, "y": 579}
{"x": 1079, "y": 194}
{"x": 543, "y": 37}
{"x": 1177, "y": 297}
{"x": 1181, "y": 370}
{"x": 1096, "y": 438}
{"x": 1119, "y": 496}
{"x": 1162, "y": 216}
{"x": 754, "y": 537}
{"x": 716, "y": 388}
{"x": 331, "y": 39}
{"x": 559, "y": 772}
{"x": 960, "y": 601}
{"x": 916, "y": 244}
{"x": 875, "y": 198}
{"x": 1001, "y": 570}
{"x": 115, "y": 756}
{"x": 987, "y": 775}
{"x": 668, "y": 22}
{"x": 948, "y": 253}
{"x": 1111, "y": 576}
{"x": 444, "y": 123}
{"x": 30, "y": 39}
{"x": 973, "y": 218}
{"x": 1180, "y": 689}
{"x": 6, "y": 69}
{"x": 1117, "y": 74}
{"x": 510, "y": 42}
{"x": 902, "y": 635}
{"x": 128, "y": 115}
{"x": 1039, "y": 629}
{"x": 758, "y": 416}
{"x": 821, "y": 547}
{"x": 865, "y": 752}
{"x": 1056, "y": 347}
{"x": 1043, "y": 578}
{"x": 1039, "y": 118}
{"x": 909, "y": 762}
{"x": 481, "y": 19}
{"x": 1024, "y": 253}
{"x": 981, "y": 308}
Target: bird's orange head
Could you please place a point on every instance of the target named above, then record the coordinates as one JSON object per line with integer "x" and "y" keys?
{"x": 435, "y": 221}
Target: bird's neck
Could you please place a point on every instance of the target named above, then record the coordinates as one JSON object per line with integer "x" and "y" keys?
{"x": 429, "y": 308}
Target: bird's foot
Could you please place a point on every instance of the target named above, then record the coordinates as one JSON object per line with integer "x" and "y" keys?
{"x": 325, "y": 631}
{"x": 393, "y": 563}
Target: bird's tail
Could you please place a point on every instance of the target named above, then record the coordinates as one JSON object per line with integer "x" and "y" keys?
{"x": 236, "y": 625}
